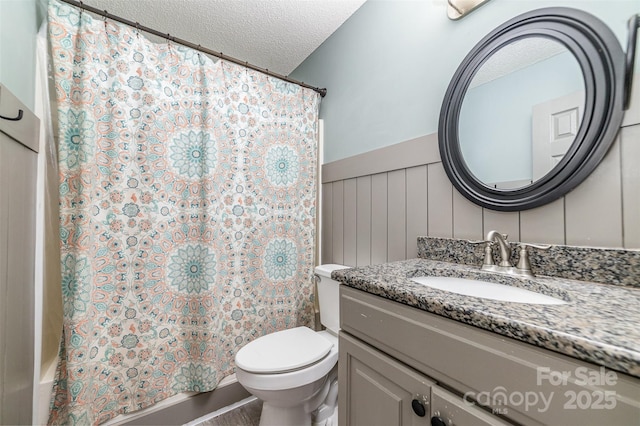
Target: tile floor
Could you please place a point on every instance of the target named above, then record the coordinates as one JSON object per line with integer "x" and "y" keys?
{"x": 246, "y": 415}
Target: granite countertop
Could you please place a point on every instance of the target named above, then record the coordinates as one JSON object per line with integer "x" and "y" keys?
{"x": 598, "y": 324}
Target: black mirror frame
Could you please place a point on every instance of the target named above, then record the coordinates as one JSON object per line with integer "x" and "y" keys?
{"x": 602, "y": 61}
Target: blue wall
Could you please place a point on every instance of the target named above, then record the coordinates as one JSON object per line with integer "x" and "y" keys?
{"x": 495, "y": 118}
{"x": 18, "y": 29}
{"x": 387, "y": 68}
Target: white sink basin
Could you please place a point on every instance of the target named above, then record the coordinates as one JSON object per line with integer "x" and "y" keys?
{"x": 487, "y": 290}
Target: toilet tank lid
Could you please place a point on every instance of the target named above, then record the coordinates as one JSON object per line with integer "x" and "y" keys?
{"x": 283, "y": 351}
{"x": 325, "y": 270}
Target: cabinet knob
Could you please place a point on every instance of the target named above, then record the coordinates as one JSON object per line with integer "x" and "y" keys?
{"x": 437, "y": 421}
{"x": 418, "y": 408}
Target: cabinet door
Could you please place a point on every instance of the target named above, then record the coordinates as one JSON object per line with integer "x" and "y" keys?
{"x": 18, "y": 167}
{"x": 17, "y": 239}
{"x": 376, "y": 390}
{"x": 454, "y": 410}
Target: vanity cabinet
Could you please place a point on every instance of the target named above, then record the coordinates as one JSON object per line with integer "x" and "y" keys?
{"x": 392, "y": 354}
{"x": 380, "y": 391}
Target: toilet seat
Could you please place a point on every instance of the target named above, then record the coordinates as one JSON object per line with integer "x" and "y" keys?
{"x": 292, "y": 379}
{"x": 284, "y": 351}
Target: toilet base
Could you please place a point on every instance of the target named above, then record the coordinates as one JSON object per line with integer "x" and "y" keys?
{"x": 279, "y": 416}
{"x": 332, "y": 420}
{"x": 280, "y": 409}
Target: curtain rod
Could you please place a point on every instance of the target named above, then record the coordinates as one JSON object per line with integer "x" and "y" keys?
{"x": 169, "y": 37}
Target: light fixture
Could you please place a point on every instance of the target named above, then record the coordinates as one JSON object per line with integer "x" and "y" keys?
{"x": 456, "y": 9}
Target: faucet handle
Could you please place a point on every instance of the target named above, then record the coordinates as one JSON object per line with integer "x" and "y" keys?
{"x": 538, "y": 246}
{"x": 476, "y": 241}
{"x": 523, "y": 261}
{"x": 488, "y": 251}
{"x": 488, "y": 254}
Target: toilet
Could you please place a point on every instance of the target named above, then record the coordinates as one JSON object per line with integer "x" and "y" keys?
{"x": 295, "y": 371}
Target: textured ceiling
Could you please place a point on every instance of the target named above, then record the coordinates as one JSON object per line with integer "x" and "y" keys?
{"x": 273, "y": 34}
{"x": 516, "y": 56}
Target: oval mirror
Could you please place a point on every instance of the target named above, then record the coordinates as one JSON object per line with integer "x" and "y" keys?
{"x": 521, "y": 112}
{"x": 532, "y": 109}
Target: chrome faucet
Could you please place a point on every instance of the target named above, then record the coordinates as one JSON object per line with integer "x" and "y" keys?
{"x": 504, "y": 266}
{"x": 505, "y": 249}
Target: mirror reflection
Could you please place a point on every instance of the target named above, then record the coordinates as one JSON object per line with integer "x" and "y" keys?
{"x": 521, "y": 112}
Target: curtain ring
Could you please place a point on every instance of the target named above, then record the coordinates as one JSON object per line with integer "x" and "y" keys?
{"x": 169, "y": 44}
{"x": 137, "y": 29}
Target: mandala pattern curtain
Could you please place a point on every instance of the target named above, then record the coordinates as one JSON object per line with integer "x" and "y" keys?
{"x": 187, "y": 214}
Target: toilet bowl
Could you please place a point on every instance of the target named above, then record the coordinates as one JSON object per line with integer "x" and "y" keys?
{"x": 294, "y": 372}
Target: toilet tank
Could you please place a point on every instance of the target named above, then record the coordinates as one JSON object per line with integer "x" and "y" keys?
{"x": 329, "y": 297}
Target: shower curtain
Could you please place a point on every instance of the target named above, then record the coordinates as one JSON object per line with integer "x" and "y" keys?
{"x": 187, "y": 214}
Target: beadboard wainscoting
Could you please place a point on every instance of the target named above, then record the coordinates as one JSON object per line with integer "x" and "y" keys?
{"x": 375, "y": 205}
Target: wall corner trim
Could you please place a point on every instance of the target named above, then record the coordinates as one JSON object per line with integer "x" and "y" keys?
{"x": 414, "y": 152}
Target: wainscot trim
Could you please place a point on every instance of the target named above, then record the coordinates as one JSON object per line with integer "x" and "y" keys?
{"x": 414, "y": 152}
